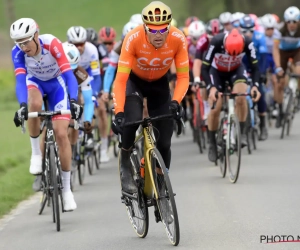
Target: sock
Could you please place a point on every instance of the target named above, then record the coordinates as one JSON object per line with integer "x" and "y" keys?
{"x": 242, "y": 127}
{"x": 66, "y": 176}
{"x": 35, "y": 145}
{"x": 262, "y": 123}
{"x": 104, "y": 142}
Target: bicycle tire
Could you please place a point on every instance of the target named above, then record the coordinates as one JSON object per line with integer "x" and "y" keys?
{"x": 286, "y": 114}
{"x": 156, "y": 159}
{"x": 254, "y": 138}
{"x": 81, "y": 164}
{"x": 198, "y": 128}
{"x": 137, "y": 210}
{"x": 221, "y": 146}
{"x": 234, "y": 174}
{"x": 90, "y": 163}
{"x": 54, "y": 182}
{"x": 43, "y": 202}
{"x": 116, "y": 150}
{"x": 248, "y": 129}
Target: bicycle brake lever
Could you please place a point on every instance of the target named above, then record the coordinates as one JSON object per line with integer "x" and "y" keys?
{"x": 23, "y": 126}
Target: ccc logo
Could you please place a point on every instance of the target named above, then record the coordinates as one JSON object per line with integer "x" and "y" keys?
{"x": 155, "y": 62}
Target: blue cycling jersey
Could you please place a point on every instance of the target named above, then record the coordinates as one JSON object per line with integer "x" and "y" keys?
{"x": 288, "y": 40}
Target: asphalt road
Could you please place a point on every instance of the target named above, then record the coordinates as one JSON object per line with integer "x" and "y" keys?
{"x": 213, "y": 213}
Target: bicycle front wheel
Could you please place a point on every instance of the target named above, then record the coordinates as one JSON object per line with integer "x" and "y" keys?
{"x": 165, "y": 200}
{"x": 198, "y": 128}
{"x": 54, "y": 183}
{"x": 287, "y": 114}
{"x": 233, "y": 152}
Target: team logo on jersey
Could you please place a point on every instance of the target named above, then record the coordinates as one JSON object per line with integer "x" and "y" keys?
{"x": 154, "y": 62}
{"x": 130, "y": 38}
{"x": 94, "y": 65}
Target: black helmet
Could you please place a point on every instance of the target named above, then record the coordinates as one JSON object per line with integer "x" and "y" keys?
{"x": 92, "y": 36}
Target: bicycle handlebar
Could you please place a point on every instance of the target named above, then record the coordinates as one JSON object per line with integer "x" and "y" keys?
{"x": 294, "y": 75}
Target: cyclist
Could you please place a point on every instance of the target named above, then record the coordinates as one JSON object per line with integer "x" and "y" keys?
{"x": 213, "y": 28}
{"x": 235, "y": 19}
{"x": 223, "y": 61}
{"x": 83, "y": 80}
{"x": 269, "y": 23}
{"x": 247, "y": 27}
{"x": 89, "y": 60}
{"x": 147, "y": 54}
{"x": 286, "y": 46}
{"x": 41, "y": 67}
{"x": 225, "y": 20}
{"x": 189, "y": 20}
{"x": 196, "y": 29}
{"x": 136, "y": 18}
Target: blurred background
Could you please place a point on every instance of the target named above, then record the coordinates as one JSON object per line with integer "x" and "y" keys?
{"x": 55, "y": 17}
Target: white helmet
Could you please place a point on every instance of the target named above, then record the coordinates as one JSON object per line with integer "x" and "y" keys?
{"x": 136, "y": 18}
{"x": 196, "y": 29}
{"x": 291, "y": 14}
{"x": 77, "y": 34}
{"x": 72, "y": 54}
{"x": 225, "y": 17}
{"x": 235, "y": 17}
{"x": 22, "y": 28}
{"x": 268, "y": 21}
{"x": 128, "y": 27}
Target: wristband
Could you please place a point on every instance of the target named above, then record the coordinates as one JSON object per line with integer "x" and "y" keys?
{"x": 197, "y": 79}
{"x": 278, "y": 69}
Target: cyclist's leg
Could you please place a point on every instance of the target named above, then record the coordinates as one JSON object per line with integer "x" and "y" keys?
{"x": 239, "y": 81}
{"x": 158, "y": 101}
{"x": 58, "y": 100}
{"x": 133, "y": 111}
{"x": 103, "y": 128}
{"x": 35, "y": 102}
{"x": 213, "y": 117}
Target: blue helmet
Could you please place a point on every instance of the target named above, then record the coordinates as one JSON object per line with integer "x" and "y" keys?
{"x": 247, "y": 22}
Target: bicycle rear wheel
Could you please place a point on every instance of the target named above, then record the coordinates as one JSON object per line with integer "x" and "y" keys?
{"x": 234, "y": 136}
{"x": 198, "y": 128}
{"x": 165, "y": 200}
{"x": 45, "y": 196}
{"x": 55, "y": 193}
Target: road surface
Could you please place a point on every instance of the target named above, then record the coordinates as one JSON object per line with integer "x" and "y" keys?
{"x": 213, "y": 213}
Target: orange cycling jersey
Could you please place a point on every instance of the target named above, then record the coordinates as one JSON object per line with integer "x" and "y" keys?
{"x": 148, "y": 63}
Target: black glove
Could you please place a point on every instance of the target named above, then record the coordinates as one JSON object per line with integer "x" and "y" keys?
{"x": 76, "y": 110}
{"x": 176, "y": 110}
{"x": 88, "y": 127}
{"x": 22, "y": 113}
{"x": 263, "y": 79}
{"x": 117, "y": 124}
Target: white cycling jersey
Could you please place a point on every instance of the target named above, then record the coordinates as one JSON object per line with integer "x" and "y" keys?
{"x": 89, "y": 60}
{"x": 270, "y": 41}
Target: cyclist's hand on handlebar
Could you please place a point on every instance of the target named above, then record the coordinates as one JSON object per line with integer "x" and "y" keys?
{"x": 279, "y": 71}
{"x": 176, "y": 110}
{"x": 22, "y": 113}
{"x": 76, "y": 109}
{"x": 105, "y": 96}
{"x": 212, "y": 94}
{"x": 255, "y": 94}
{"x": 88, "y": 127}
{"x": 117, "y": 123}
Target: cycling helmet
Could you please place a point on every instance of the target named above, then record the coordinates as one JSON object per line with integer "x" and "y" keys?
{"x": 174, "y": 22}
{"x": 72, "y": 54}
{"x": 156, "y": 13}
{"x": 235, "y": 18}
{"x": 136, "y": 18}
{"x": 214, "y": 27}
{"x": 128, "y": 27}
{"x": 91, "y": 35}
{"x": 247, "y": 22}
{"x": 234, "y": 42}
{"x": 107, "y": 34}
{"x": 196, "y": 29}
{"x": 268, "y": 21}
{"x": 291, "y": 14}
{"x": 23, "y": 28}
{"x": 77, "y": 34}
{"x": 190, "y": 19}
{"x": 225, "y": 17}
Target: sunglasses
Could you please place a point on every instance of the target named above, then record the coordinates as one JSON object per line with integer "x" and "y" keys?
{"x": 269, "y": 28}
{"x": 161, "y": 31}
{"x": 79, "y": 44}
{"x": 292, "y": 21}
{"x": 25, "y": 43}
{"x": 108, "y": 43}
{"x": 244, "y": 31}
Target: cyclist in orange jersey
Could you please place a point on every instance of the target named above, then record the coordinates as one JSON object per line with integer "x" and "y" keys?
{"x": 146, "y": 56}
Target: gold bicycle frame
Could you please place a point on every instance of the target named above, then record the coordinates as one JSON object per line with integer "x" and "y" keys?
{"x": 149, "y": 187}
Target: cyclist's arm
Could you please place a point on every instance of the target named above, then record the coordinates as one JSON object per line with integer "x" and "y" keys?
{"x": 83, "y": 80}
{"x": 58, "y": 53}
{"x": 20, "y": 73}
{"x": 197, "y": 66}
{"x": 207, "y": 61}
{"x": 251, "y": 55}
{"x": 182, "y": 71}
{"x": 94, "y": 71}
{"x": 276, "y": 54}
{"x": 263, "y": 51}
{"x": 124, "y": 68}
{"x": 110, "y": 71}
